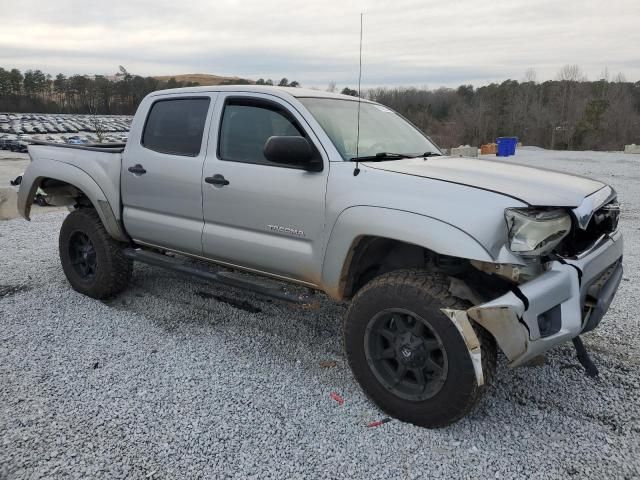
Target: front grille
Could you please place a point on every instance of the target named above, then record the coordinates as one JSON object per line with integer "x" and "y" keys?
{"x": 603, "y": 221}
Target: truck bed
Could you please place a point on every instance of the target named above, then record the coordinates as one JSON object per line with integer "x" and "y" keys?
{"x": 94, "y": 169}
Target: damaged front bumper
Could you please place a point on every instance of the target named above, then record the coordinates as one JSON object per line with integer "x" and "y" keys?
{"x": 570, "y": 298}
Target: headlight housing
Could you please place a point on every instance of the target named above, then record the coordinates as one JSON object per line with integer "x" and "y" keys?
{"x": 535, "y": 231}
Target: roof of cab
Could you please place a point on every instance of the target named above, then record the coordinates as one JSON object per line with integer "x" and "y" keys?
{"x": 273, "y": 90}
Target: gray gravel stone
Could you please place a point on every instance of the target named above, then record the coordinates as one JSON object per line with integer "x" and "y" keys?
{"x": 168, "y": 380}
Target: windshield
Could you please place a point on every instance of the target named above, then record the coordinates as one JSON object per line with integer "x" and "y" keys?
{"x": 381, "y": 129}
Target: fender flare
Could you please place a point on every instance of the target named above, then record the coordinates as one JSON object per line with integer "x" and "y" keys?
{"x": 47, "y": 168}
{"x": 427, "y": 232}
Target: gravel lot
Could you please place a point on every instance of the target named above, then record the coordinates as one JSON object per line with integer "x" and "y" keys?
{"x": 177, "y": 378}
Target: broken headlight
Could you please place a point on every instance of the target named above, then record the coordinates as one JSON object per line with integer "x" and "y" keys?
{"x": 536, "y": 231}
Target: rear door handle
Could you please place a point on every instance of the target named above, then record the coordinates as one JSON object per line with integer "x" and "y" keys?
{"x": 217, "y": 180}
{"x": 137, "y": 169}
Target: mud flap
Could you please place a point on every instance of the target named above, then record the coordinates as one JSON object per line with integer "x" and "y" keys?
{"x": 462, "y": 323}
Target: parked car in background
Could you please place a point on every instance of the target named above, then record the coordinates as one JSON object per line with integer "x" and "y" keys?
{"x": 14, "y": 143}
{"x": 19, "y": 145}
{"x": 7, "y": 140}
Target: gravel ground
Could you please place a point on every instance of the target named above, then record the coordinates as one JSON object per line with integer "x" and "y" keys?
{"x": 177, "y": 378}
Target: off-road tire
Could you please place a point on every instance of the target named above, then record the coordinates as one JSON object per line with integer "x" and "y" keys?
{"x": 113, "y": 270}
{"x": 423, "y": 293}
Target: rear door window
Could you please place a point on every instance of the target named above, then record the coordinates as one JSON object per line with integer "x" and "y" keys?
{"x": 176, "y": 126}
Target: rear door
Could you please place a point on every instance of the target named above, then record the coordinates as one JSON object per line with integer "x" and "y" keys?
{"x": 161, "y": 174}
{"x": 260, "y": 215}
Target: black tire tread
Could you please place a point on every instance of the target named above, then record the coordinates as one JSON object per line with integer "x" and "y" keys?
{"x": 434, "y": 291}
{"x": 116, "y": 268}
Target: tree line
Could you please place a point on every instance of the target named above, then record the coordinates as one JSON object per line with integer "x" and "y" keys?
{"x": 37, "y": 92}
{"x": 569, "y": 112}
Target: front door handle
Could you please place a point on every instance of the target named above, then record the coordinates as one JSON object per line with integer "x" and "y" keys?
{"x": 217, "y": 180}
{"x": 137, "y": 169}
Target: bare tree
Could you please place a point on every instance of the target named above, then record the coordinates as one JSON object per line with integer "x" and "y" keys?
{"x": 620, "y": 78}
{"x": 530, "y": 75}
{"x": 331, "y": 87}
{"x": 571, "y": 73}
{"x": 96, "y": 123}
{"x": 571, "y": 105}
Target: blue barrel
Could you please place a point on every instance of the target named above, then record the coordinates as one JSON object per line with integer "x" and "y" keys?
{"x": 513, "y": 141}
{"x": 503, "y": 146}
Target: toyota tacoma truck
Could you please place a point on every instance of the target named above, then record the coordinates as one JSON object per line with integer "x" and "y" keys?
{"x": 444, "y": 261}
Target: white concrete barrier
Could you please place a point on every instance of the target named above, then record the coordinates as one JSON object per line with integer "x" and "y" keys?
{"x": 464, "y": 151}
{"x": 8, "y": 203}
{"x": 633, "y": 148}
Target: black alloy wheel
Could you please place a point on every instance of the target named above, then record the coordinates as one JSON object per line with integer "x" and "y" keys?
{"x": 405, "y": 354}
{"x": 83, "y": 255}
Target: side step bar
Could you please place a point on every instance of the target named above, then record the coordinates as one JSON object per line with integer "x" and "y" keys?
{"x": 225, "y": 278}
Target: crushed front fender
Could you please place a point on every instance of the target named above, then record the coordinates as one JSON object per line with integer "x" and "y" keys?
{"x": 462, "y": 323}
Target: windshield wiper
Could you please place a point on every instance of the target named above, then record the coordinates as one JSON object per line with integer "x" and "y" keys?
{"x": 380, "y": 156}
{"x": 429, "y": 154}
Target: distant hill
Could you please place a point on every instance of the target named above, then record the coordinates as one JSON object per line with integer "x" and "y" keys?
{"x": 203, "y": 79}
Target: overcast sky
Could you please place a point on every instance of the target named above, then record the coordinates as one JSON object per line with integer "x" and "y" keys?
{"x": 406, "y": 42}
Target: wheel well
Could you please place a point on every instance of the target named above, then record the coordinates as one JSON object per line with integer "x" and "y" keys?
{"x": 373, "y": 256}
{"x": 65, "y": 193}
{"x": 61, "y": 193}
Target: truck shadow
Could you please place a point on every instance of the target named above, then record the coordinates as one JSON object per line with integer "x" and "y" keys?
{"x": 187, "y": 307}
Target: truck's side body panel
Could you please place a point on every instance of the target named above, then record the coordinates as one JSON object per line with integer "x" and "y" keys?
{"x": 163, "y": 206}
{"x": 269, "y": 217}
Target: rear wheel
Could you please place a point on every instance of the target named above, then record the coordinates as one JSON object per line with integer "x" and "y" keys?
{"x": 92, "y": 261}
{"x": 407, "y": 355}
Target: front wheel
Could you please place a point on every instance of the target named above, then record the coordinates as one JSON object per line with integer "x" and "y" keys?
{"x": 92, "y": 261}
{"x": 407, "y": 355}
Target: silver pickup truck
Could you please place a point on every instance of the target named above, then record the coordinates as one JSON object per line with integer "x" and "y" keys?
{"x": 443, "y": 260}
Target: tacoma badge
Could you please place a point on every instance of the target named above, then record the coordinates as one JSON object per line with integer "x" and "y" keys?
{"x": 289, "y": 230}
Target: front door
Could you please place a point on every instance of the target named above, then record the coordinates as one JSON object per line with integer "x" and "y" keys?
{"x": 260, "y": 215}
{"x": 162, "y": 174}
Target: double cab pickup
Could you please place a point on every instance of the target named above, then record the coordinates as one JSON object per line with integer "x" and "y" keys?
{"x": 444, "y": 261}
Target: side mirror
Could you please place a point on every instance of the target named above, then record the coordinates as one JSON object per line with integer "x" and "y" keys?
{"x": 289, "y": 150}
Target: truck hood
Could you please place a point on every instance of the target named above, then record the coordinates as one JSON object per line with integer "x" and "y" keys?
{"x": 535, "y": 186}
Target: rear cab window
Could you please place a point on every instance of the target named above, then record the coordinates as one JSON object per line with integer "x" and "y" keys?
{"x": 175, "y": 126}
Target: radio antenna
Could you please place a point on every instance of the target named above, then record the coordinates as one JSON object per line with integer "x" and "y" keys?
{"x": 357, "y": 169}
